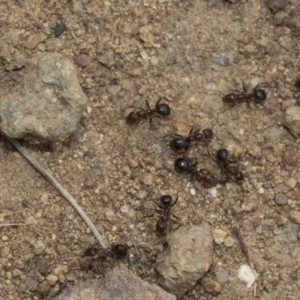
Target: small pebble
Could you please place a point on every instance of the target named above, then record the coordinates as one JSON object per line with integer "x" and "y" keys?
{"x": 141, "y": 194}
{"x": 146, "y": 178}
{"x": 222, "y": 275}
{"x": 154, "y": 61}
{"x": 213, "y": 192}
{"x": 34, "y": 40}
{"x": 280, "y": 199}
{"x": 70, "y": 276}
{"x": 39, "y": 247}
{"x": 32, "y": 283}
{"x": 275, "y": 5}
{"x": 44, "y": 289}
{"x": 290, "y": 159}
{"x": 280, "y": 220}
{"x": 193, "y": 191}
{"x": 52, "y": 279}
{"x": 83, "y": 60}
{"x": 295, "y": 216}
{"x": 144, "y": 55}
{"x": 222, "y": 61}
{"x": 247, "y": 275}
{"x": 212, "y": 287}
{"x": 229, "y": 241}
{"x": 58, "y": 30}
{"x": 256, "y": 222}
{"x": 16, "y": 273}
{"x": 22, "y": 288}
{"x": 219, "y": 236}
{"x": 292, "y": 182}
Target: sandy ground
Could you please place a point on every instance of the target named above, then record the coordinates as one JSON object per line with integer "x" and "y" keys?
{"x": 141, "y": 49}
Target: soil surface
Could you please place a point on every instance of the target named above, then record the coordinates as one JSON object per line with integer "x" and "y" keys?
{"x": 127, "y": 52}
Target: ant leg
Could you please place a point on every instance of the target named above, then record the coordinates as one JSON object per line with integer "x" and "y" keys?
{"x": 174, "y": 202}
{"x": 192, "y": 130}
{"x": 244, "y": 88}
{"x": 147, "y": 104}
{"x": 186, "y": 148}
{"x": 262, "y": 83}
{"x": 162, "y": 98}
{"x": 173, "y": 135}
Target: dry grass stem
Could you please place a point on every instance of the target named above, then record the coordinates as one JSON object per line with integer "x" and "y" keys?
{"x": 64, "y": 192}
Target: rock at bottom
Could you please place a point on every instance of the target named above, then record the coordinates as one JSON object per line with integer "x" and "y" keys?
{"x": 117, "y": 284}
{"x": 187, "y": 259}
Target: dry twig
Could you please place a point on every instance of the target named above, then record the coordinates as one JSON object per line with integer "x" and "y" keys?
{"x": 64, "y": 192}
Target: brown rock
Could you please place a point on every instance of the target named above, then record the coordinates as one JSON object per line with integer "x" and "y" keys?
{"x": 43, "y": 265}
{"x": 118, "y": 284}
{"x": 47, "y": 104}
{"x": 295, "y": 216}
{"x": 53, "y": 44}
{"x": 83, "y": 60}
{"x": 34, "y": 40}
{"x": 44, "y": 289}
{"x": 187, "y": 259}
{"x": 292, "y": 120}
{"x": 290, "y": 159}
{"x": 146, "y": 178}
{"x": 212, "y": 287}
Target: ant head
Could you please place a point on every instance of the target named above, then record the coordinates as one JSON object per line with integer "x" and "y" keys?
{"x": 222, "y": 155}
{"x": 166, "y": 200}
{"x": 119, "y": 250}
{"x": 259, "y": 96}
{"x": 163, "y": 109}
{"x": 182, "y": 165}
{"x": 239, "y": 176}
{"x": 178, "y": 144}
{"x": 208, "y": 133}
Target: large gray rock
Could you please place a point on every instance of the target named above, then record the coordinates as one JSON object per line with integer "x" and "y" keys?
{"x": 117, "y": 284}
{"x": 47, "y": 104}
{"x": 187, "y": 259}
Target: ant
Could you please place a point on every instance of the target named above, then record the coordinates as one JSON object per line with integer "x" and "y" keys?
{"x": 90, "y": 257}
{"x": 222, "y": 160}
{"x": 161, "y": 109}
{"x": 297, "y": 83}
{"x": 183, "y": 165}
{"x": 180, "y": 143}
{"x": 257, "y": 96}
{"x": 164, "y": 223}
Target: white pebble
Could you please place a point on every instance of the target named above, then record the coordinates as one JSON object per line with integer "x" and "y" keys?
{"x": 208, "y": 85}
{"x": 144, "y": 55}
{"x": 213, "y": 192}
{"x": 193, "y": 191}
{"x": 247, "y": 275}
{"x": 261, "y": 190}
{"x": 125, "y": 209}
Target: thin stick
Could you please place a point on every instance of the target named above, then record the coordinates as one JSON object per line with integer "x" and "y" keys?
{"x": 64, "y": 192}
{"x": 243, "y": 246}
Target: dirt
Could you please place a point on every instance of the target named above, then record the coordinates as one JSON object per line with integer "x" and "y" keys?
{"x": 189, "y": 53}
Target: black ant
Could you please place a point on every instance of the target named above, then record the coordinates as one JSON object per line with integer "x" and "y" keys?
{"x": 180, "y": 143}
{"x": 222, "y": 160}
{"x": 257, "y": 96}
{"x": 90, "y": 257}
{"x": 297, "y": 83}
{"x": 164, "y": 223}
{"x": 183, "y": 165}
{"x": 136, "y": 116}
